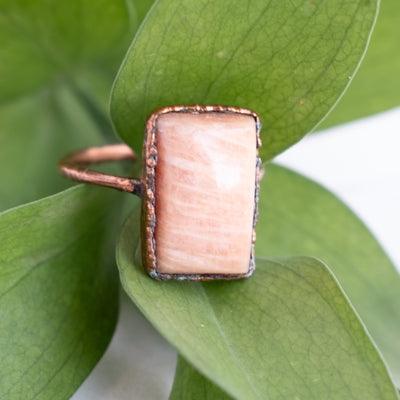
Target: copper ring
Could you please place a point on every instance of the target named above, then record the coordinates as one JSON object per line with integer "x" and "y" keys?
{"x": 159, "y": 248}
{"x": 73, "y": 167}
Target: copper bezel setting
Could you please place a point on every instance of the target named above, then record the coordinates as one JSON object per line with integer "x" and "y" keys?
{"x": 148, "y": 217}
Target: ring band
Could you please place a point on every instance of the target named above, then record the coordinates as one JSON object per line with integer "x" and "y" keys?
{"x": 73, "y": 167}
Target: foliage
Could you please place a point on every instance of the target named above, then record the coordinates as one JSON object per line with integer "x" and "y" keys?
{"x": 290, "y": 331}
{"x": 58, "y": 294}
{"x": 375, "y": 87}
{"x": 291, "y": 325}
{"x": 254, "y": 61}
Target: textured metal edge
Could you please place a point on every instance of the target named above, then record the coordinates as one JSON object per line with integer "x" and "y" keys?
{"x": 148, "y": 218}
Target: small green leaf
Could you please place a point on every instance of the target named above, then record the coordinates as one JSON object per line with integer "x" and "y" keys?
{"x": 58, "y": 293}
{"x": 286, "y": 332}
{"x": 376, "y": 86}
{"x": 297, "y": 216}
{"x": 190, "y": 384}
{"x": 288, "y": 62}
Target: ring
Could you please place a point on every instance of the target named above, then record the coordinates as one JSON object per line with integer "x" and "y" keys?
{"x": 199, "y": 188}
{"x": 73, "y": 167}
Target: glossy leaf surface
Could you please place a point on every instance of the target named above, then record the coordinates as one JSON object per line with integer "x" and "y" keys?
{"x": 297, "y": 216}
{"x": 58, "y": 293}
{"x": 286, "y": 332}
{"x": 288, "y": 62}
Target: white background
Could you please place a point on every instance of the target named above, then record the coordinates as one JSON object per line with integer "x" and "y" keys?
{"x": 358, "y": 161}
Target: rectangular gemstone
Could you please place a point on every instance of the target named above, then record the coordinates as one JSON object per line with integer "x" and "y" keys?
{"x": 204, "y": 192}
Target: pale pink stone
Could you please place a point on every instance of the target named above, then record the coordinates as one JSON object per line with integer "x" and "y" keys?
{"x": 204, "y": 185}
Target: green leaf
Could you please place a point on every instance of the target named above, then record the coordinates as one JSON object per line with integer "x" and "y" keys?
{"x": 58, "y": 293}
{"x": 58, "y": 63}
{"x": 376, "y": 86}
{"x": 297, "y": 216}
{"x": 190, "y": 384}
{"x": 37, "y": 131}
{"x": 289, "y": 63}
{"x": 42, "y": 41}
{"x": 286, "y": 332}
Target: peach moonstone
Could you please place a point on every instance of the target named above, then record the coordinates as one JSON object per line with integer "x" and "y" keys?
{"x": 204, "y": 185}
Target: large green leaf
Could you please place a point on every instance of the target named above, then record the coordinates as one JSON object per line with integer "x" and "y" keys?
{"x": 297, "y": 216}
{"x": 287, "y": 332}
{"x": 288, "y": 62}
{"x": 376, "y": 86}
{"x": 58, "y": 293}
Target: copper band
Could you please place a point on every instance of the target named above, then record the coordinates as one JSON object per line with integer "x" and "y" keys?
{"x": 73, "y": 166}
